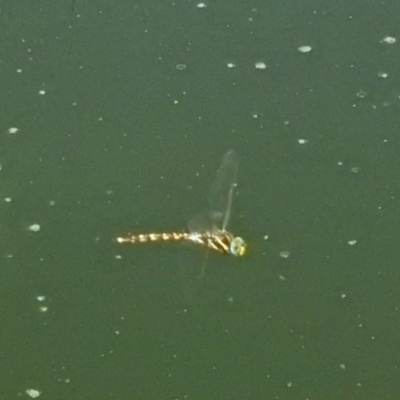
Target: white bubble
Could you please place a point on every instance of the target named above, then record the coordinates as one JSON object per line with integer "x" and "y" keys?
{"x": 201, "y": 5}
{"x": 42, "y": 92}
{"x": 361, "y": 94}
{"x": 260, "y": 65}
{"x": 181, "y": 67}
{"x": 304, "y": 49}
{"x": 231, "y": 65}
{"x": 389, "y": 40}
{"x": 13, "y": 130}
{"x": 34, "y": 228}
{"x": 303, "y": 141}
{"x": 352, "y": 242}
{"x": 284, "y": 254}
{"x": 33, "y": 393}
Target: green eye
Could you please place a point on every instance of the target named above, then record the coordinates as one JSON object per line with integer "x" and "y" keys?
{"x": 238, "y": 247}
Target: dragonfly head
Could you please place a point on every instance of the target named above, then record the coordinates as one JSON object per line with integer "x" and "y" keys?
{"x": 238, "y": 247}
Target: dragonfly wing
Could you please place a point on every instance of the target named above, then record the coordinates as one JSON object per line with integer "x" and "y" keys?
{"x": 221, "y": 193}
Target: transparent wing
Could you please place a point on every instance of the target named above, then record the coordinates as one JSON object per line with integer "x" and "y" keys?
{"x": 220, "y": 197}
{"x": 221, "y": 193}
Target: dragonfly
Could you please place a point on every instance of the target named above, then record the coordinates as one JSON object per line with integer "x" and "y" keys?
{"x": 208, "y": 229}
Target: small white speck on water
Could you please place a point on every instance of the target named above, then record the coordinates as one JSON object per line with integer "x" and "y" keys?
{"x": 13, "y": 130}
{"x": 342, "y": 366}
{"x": 41, "y": 298}
{"x": 383, "y": 75}
{"x": 201, "y": 5}
{"x": 8, "y": 199}
{"x": 343, "y": 295}
{"x": 33, "y": 393}
{"x": 352, "y": 242}
{"x": 34, "y": 228}
{"x": 42, "y": 92}
{"x": 284, "y": 254}
{"x": 231, "y": 65}
{"x": 303, "y": 141}
{"x": 354, "y": 170}
{"x": 389, "y": 40}
{"x": 260, "y": 65}
{"x": 304, "y": 49}
{"x": 43, "y": 309}
{"x": 361, "y": 94}
{"x": 266, "y": 237}
{"x": 181, "y": 67}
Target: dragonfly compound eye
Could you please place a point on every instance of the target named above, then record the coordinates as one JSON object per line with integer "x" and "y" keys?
{"x": 238, "y": 247}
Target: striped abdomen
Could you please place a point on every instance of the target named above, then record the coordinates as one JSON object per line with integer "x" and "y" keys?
{"x": 153, "y": 237}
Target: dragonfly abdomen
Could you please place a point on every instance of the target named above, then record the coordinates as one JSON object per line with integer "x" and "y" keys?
{"x": 153, "y": 237}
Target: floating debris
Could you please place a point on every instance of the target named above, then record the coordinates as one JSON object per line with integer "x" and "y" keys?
{"x": 303, "y": 141}
{"x": 34, "y": 228}
{"x": 304, "y": 49}
{"x": 13, "y": 130}
{"x": 33, "y": 393}
{"x": 284, "y": 254}
{"x": 389, "y": 40}
{"x": 260, "y": 65}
